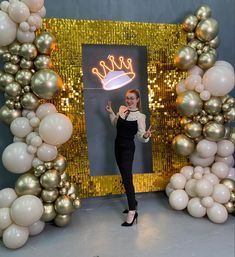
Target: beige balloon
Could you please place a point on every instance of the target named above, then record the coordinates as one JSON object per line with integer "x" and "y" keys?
{"x": 45, "y": 43}
{"x": 183, "y": 145}
{"x": 213, "y": 105}
{"x": 206, "y": 60}
{"x": 185, "y": 58}
{"x": 64, "y": 205}
{"x": 62, "y": 220}
{"x": 7, "y": 115}
{"x": 193, "y": 129}
{"x": 28, "y": 184}
{"x": 203, "y": 12}
{"x": 29, "y": 101}
{"x": 50, "y": 179}
{"x": 213, "y": 131}
{"x": 207, "y": 29}
{"x": 190, "y": 23}
{"x": 49, "y": 212}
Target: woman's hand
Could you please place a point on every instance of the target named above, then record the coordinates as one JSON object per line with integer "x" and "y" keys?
{"x": 109, "y": 107}
{"x": 148, "y": 133}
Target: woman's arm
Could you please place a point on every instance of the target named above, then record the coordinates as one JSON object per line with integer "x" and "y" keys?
{"x": 141, "y": 133}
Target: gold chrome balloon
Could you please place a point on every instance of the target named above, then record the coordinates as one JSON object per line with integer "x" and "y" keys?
{"x": 232, "y": 196}
{"x": 229, "y": 207}
{"x": 193, "y": 43}
{"x": 49, "y": 165}
{"x": 15, "y": 59}
{"x": 39, "y": 170}
{"x": 206, "y": 60}
{"x": 73, "y": 189}
{"x": 185, "y": 58}
{"x": 77, "y": 203}
{"x": 45, "y": 43}
{"x": 62, "y": 220}
{"x": 185, "y": 120}
{"x": 29, "y": 101}
{"x": 5, "y": 79}
{"x": 229, "y": 183}
{"x": 13, "y": 89}
{"x": 230, "y": 115}
{"x": 214, "y": 43}
{"x": 213, "y": 131}
{"x": 183, "y": 145}
{"x": 232, "y": 135}
{"x": 49, "y": 212}
{"x": 213, "y": 105}
{"x": 60, "y": 163}
{"x": 190, "y": 23}
{"x": 43, "y": 62}
{"x": 64, "y": 177}
{"x": 220, "y": 119}
{"x": 28, "y": 184}
{"x": 7, "y": 115}
{"x": 193, "y": 129}
{"x": 49, "y": 196}
{"x": 63, "y": 205}
{"x": 14, "y": 48}
{"x": 11, "y": 68}
{"x": 23, "y": 77}
{"x": 28, "y": 51}
{"x": 207, "y": 29}
{"x": 203, "y": 12}
{"x": 189, "y": 103}
{"x": 25, "y": 64}
{"x": 50, "y": 179}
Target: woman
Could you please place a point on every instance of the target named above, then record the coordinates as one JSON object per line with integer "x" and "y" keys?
{"x": 129, "y": 121}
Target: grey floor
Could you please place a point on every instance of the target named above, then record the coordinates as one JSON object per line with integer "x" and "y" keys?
{"x": 95, "y": 231}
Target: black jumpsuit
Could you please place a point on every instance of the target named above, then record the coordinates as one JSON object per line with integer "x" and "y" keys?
{"x": 124, "y": 153}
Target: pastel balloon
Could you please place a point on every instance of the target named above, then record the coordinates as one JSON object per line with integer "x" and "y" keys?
{"x": 36, "y": 228}
{"x": 231, "y": 173}
{"x": 178, "y": 181}
{"x": 221, "y": 194}
{"x": 20, "y": 127}
{"x": 206, "y": 148}
{"x": 5, "y": 218}
{"x": 25, "y": 36}
{"x": 18, "y": 11}
{"x": 180, "y": 88}
{"x": 15, "y": 236}
{"x": 55, "y": 129}
{"x": 45, "y": 109}
{"x": 16, "y": 159}
{"x": 195, "y": 208}
{"x": 199, "y": 161}
{"x": 178, "y": 199}
{"x": 192, "y": 81}
{"x": 190, "y": 187}
{"x": 212, "y": 178}
{"x": 34, "y": 5}
{"x": 187, "y": 171}
{"x": 26, "y": 210}
{"x": 7, "y": 197}
{"x": 47, "y": 152}
{"x": 217, "y": 213}
{"x": 225, "y": 148}
{"x": 203, "y": 188}
{"x": 225, "y": 64}
{"x": 169, "y": 189}
{"x": 195, "y": 70}
{"x": 207, "y": 202}
{"x": 220, "y": 169}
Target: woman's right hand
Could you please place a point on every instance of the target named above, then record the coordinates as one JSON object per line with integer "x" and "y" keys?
{"x": 109, "y": 107}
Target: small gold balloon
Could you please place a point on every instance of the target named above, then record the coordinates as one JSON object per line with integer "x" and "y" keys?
{"x": 29, "y": 101}
{"x": 185, "y": 120}
{"x": 13, "y": 89}
{"x": 77, "y": 203}
{"x": 193, "y": 43}
{"x": 9, "y": 104}
{"x": 183, "y": 145}
{"x": 63, "y": 191}
{"x": 227, "y": 132}
{"x": 185, "y": 58}
{"x": 62, "y": 220}
{"x": 229, "y": 207}
{"x": 11, "y": 68}
{"x": 213, "y": 131}
{"x": 64, "y": 177}
{"x": 73, "y": 189}
{"x": 229, "y": 183}
{"x": 207, "y": 29}
{"x": 48, "y": 165}
{"x": 49, "y": 196}
{"x": 232, "y": 196}
{"x": 203, "y": 12}
{"x": 6, "y": 57}
{"x": 219, "y": 118}
{"x": 50, "y": 179}
{"x": 60, "y": 163}
{"x": 45, "y": 43}
{"x": 232, "y": 136}
{"x": 39, "y": 170}
{"x": 28, "y": 51}
{"x": 193, "y": 129}
{"x": 43, "y": 62}
{"x": 214, "y": 43}
{"x": 190, "y": 23}
{"x": 230, "y": 115}
{"x": 5, "y": 79}
{"x": 25, "y": 64}
{"x": 15, "y": 59}
{"x": 213, "y": 105}
{"x": 23, "y": 77}
{"x": 190, "y": 36}
{"x": 63, "y": 205}
{"x": 49, "y": 212}
{"x": 231, "y": 101}
{"x": 7, "y": 115}
{"x": 224, "y": 98}
{"x": 203, "y": 120}
{"x": 206, "y": 60}
{"x": 3, "y": 50}
{"x": 14, "y": 48}
{"x": 28, "y": 184}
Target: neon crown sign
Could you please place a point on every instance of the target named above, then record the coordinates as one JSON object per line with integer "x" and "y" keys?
{"x": 115, "y": 75}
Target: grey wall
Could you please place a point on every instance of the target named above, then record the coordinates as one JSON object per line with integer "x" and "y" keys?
{"x": 159, "y": 11}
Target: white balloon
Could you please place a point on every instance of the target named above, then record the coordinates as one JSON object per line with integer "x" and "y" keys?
{"x": 5, "y": 218}
{"x": 212, "y": 178}
{"x": 45, "y": 109}
{"x": 203, "y": 188}
{"x": 20, "y": 127}
{"x": 31, "y": 149}
{"x": 225, "y": 148}
{"x": 195, "y": 70}
{"x": 199, "y": 88}
{"x": 36, "y": 141}
{"x": 197, "y": 175}
{"x": 7, "y": 197}
{"x": 219, "y": 80}
{"x": 195, "y": 208}
{"x": 187, "y": 171}
{"x": 36, "y": 228}
{"x": 228, "y": 160}
{"x": 220, "y": 169}
{"x": 4, "y": 5}
{"x": 36, "y": 162}
{"x": 196, "y": 160}
{"x": 30, "y": 136}
{"x": 47, "y": 152}
{"x": 206, "y": 148}
{"x": 41, "y": 12}
{"x": 190, "y": 187}
{"x": 199, "y": 169}
{"x": 169, "y": 189}
{"x": 34, "y": 5}
{"x": 207, "y": 170}
{"x": 207, "y": 202}
{"x": 221, "y": 193}
{"x": 180, "y": 88}
{"x": 26, "y": 210}
{"x": 205, "y": 95}
{"x": 25, "y": 36}
{"x": 231, "y": 173}
{"x": 178, "y": 181}
{"x": 192, "y": 81}
{"x": 34, "y": 122}
{"x": 18, "y": 12}
{"x": 32, "y": 28}
{"x": 225, "y": 64}
{"x": 217, "y": 213}
{"x": 30, "y": 115}
{"x": 15, "y": 236}
{"x": 24, "y": 26}
{"x": 18, "y": 139}
{"x": 55, "y": 129}
{"x": 16, "y": 159}
{"x": 7, "y": 29}
{"x": 178, "y": 199}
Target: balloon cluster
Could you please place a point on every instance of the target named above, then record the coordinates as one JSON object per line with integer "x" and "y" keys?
{"x": 207, "y": 139}
{"x": 202, "y": 36}
{"x": 27, "y": 82}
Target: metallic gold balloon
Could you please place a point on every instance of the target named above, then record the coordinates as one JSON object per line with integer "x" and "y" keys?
{"x": 43, "y": 62}
{"x": 206, "y": 60}
{"x": 23, "y": 77}
{"x": 49, "y": 165}
{"x": 204, "y": 119}
{"x": 45, "y": 43}
{"x": 6, "y": 57}
{"x": 190, "y": 36}
{"x": 226, "y": 107}
{"x": 220, "y": 119}
{"x": 3, "y": 50}
{"x": 190, "y": 23}
{"x": 7, "y": 115}
{"x": 11, "y": 68}
{"x": 28, "y": 51}
{"x": 60, "y": 163}
{"x": 193, "y": 43}
{"x": 62, "y": 220}
{"x": 205, "y": 49}
{"x": 213, "y": 105}
{"x": 207, "y": 29}
{"x": 232, "y": 196}
{"x": 189, "y": 103}
{"x": 63, "y": 205}
{"x": 203, "y": 12}
{"x": 28, "y": 184}
{"x": 227, "y": 132}
{"x": 14, "y": 48}
{"x": 232, "y": 136}
{"x": 46, "y": 83}
{"x": 213, "y": 51}
{"x": 77, "y": 203}
{"x": 5, "y": 79}
{"x": 49, "y": 196}
{"x": 18, "y": 105}
{"x": 185, "y": 58}
{"x": 185, "y": 120}
{"x": 193, "y": 129}
{"x": 73, "y": 189}
{"x": 231, "y": 101}
{"x": 224, "y": 98}
{"x": 10, "y": 104}
{"x": 63, "y": 191}
{"x": 213, "y": 131}
{"x": 230, "y": 115}
{"x": 49, "y": 212}
{"x": 64, "y": 177}
{"x": 50, "y": 179}
{"x": 229, "y": 207}
{"x": 15, "y": 59}
{"x": 39, "y": 170}
{"x": 229, "y": 183}
{"x": 25, "y": 64}
{"x": 29, "y": 101}
{"x": 214, "y": 43}
{"x": 183, "y": 145}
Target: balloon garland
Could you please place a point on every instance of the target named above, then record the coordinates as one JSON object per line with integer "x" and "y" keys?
{"x": 207, "y": 187}
{"x": 43, "y": 193}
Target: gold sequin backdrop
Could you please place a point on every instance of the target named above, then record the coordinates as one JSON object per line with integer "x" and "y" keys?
{"x": 161, "y": 41}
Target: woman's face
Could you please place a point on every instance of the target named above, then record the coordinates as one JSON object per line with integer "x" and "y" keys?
{"x": 131, "y": 100}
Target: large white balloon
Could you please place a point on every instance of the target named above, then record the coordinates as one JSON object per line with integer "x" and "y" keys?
{"x": 221, "y": 193}
{"x": 217, "y": 213}
{"x": 20, "y": 127}
{"x": 195, "y": 208}
{"x": 190, "y": 187}
{"x": 18, "y": 11}
{"x": 229, "y": 160}
{"x": 178, "y": 181}
{"x": 36, "y": 228}
{"x": 47, "y": 152}
{"x": 15, "y": 236}
{"x": 5, "y": 218}
{"x": 225, "y": 64}
{"x": 26, "y": 210}
{"x": 220, "y": 169}
{"x": 206, "y": 148}
{"x": 196, "y": 160}
{"x": 219, "y": 80}
{"x": 178, "y": 199}
{"x": 45, "y": 109}
{"x": 225, "y": 148}
{"x": 203, "y": 188}
{"x": 16, "y": 159}
{"x": 7, "y": 29}
{"x": 34, "y": 5}
{"x": 231, "y": 173}
{"x": 7, "y": 197}
{"x": 55, "y": 129}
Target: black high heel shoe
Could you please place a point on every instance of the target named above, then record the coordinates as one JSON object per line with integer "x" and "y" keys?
{"x": 126, "y": 210}
{"x": 126, "y": 224}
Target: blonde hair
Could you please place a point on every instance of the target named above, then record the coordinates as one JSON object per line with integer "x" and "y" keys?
{"x": 137, "y": 94}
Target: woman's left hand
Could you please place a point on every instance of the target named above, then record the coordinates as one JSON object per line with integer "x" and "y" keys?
{"x": 148, "y": 133}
